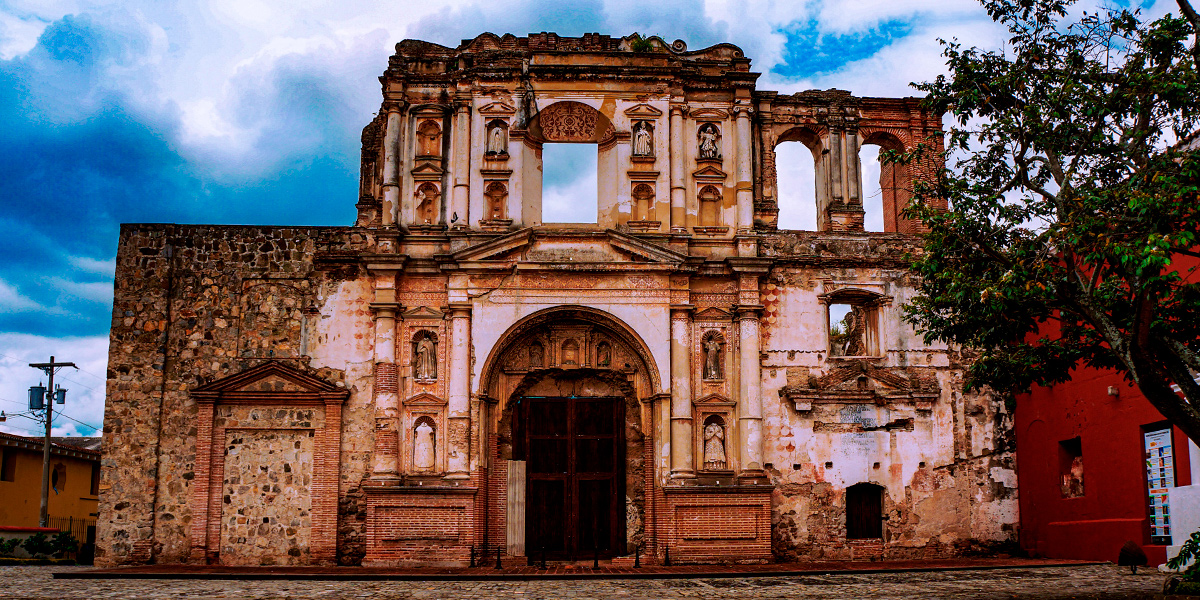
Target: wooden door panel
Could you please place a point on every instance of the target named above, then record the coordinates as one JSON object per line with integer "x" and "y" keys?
{"x": 576, "y": 462}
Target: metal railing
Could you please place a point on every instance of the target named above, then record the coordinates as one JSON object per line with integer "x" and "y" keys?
{"x": 84, "y": 532}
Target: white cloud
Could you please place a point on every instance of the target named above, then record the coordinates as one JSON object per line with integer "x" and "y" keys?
{"x": 11, "y": 299}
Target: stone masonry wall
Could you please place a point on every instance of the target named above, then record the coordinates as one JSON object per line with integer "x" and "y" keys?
{"x": 179, "y": 303}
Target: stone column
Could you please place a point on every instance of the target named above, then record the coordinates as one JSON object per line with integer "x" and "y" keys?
{"x": 386, "y": 465}
{"x": 750, "y": 402}
{"x": 836, "y": 167}
{"x": 745, "y": 179}
{"x": 458, "y": 464}
{"x": 853, "y": 168}
{"x": 677, "y": 148}
{"x": 462, "y": 164}
{"x": 681, "y": 393}
{"x": 391, "y": 163}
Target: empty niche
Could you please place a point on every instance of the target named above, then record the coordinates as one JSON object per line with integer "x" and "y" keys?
{"x": 497, "y": 200}
{"x": 710, "y": 206}
{"x": 429, "y": 139}
{"x": 427, "y": 203}
{"x": 643, "y": 202}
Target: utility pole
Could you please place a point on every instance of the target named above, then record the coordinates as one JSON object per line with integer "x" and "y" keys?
{"x": 52, "y": 395}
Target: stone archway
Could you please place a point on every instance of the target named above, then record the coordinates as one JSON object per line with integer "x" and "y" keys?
{"x": 557, "y": 377}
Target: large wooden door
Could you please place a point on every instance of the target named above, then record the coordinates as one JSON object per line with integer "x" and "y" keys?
{"x": 864, "y": 512}
{"x": 575, "y": 453}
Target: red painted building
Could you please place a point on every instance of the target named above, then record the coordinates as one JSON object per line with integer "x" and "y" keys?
{"x": 1087, "y": 485}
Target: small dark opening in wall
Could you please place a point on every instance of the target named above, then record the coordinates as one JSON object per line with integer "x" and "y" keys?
{"x": 875, "y": 466}
{"x": 829, "y": 465}
{"x": 8, "y": 466}
{"x": 864, "y": 511}
{"x": 796, "y": 467}
{"x": 921, "y": 465}
{"x": 1070, "y": 467}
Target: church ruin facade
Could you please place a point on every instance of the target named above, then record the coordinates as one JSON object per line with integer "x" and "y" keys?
{"x": 452, "y": 375}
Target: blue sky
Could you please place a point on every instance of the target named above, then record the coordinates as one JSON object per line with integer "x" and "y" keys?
{"x": 249, "y": 111}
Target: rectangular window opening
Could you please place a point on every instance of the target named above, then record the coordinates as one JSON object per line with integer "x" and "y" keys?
{"x": 1070, "y": 467}
{"x": 95, "y": 479}
{"x": 852, "y": 330}
{"x": 569, "y": 183}
{"x": 8, "y": 465}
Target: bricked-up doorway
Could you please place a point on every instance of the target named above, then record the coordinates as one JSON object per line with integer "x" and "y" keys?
{"x": 575, "y": 483}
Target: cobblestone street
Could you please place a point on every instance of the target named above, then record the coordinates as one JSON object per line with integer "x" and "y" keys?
{"x": 1094, "y": 582}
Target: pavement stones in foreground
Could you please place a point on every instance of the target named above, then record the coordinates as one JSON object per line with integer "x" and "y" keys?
{"x": 1076, "y": 582}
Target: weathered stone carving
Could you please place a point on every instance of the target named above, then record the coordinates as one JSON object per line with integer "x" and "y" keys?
{"x": 424, "y": 447}
{"x": 570, "y": 352}
{"x": 709, "y": 136}
{"x": 714, "y": 443}
{"x": 425, "y": 357}
{"x": 536, "y": 356}
{"x": 568, "y": 122}
{"x": 603, "y": 354}
{"x": 713, "y": 355}
{"x": 643, "y": 139}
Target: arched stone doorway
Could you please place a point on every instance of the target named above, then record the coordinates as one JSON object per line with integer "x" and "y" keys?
{"x": 569, "y": 450}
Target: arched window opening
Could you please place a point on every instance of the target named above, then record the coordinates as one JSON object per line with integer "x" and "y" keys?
{"x": 887, "y": 187}
{"x": 864, "y": 512}
{"x": 570, "y": 185}
{"x": 710, "y": 206}
{"x": 872, "y": 187}
{"x": 796, "y": 183}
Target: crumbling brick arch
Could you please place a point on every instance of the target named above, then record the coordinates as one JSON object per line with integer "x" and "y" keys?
{"x": 811, "y": 138}
{"x": 895, "y": 179}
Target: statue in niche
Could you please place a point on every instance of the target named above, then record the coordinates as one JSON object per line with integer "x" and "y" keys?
{"x": 497, "y": 196}
{"x": 536, "y": 356}
{"x": 495, "y": 140}
{"x": 714, "y": 444}
{"x": 643, "y": 139}
{"x": 603, "y": 354}
{"x": 570, "y": 352}
{"x": 643, "y": 202}
{"x": 708, "y": 141}
{"x": 424, "y": 450}
{"x": 712, "y": 356}
{"x": 850, "y": 337}
{"x": 425, "y": 359}
{"x": 429, "y": 139}
{"x": 427, "y": 203}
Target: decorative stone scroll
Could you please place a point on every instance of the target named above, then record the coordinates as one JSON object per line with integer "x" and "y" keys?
{"x": 570, "y": 122}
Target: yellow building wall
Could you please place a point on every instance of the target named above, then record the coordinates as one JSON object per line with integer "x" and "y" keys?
{"x": 20, "y": 499}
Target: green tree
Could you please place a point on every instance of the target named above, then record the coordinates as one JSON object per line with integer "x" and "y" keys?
{"x": 1073, "y": 219}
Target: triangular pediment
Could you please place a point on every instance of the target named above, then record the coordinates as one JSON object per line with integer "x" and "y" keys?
{"x": 497, "y": 108}
{"x": 270, "y": 379}
{"x": 708, "y": 172}
{"x": 427, "y": 168}
{"x": 609, "y": 249}
{"x": 643, "y": 111}
{"x": 424, "y": 399}
{"x": 423, "y": 312}
{"x": 713, "y": 313}
{"x": 711, "y": 114}
{"x": 714, "y": 400}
